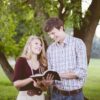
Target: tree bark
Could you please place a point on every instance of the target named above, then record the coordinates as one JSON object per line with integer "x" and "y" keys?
{"x": 6, "y": 67}
{"x": 89, "y": 24}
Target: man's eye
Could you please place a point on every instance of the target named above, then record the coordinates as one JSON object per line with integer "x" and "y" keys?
{"x": 52, "y": 33}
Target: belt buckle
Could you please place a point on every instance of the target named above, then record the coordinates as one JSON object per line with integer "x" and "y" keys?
{"x": 69, "y": 93}
{"x": 78, "y": 90}
{"x": 65, "y": 93}
{"x": 30, "y": 93}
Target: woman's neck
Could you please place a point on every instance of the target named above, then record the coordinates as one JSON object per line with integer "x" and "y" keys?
{"x": 33, "y": 62}
{"x": 34, "y": 57}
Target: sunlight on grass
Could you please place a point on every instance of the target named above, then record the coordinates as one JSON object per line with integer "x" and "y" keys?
{"x": 7, "y": 90}
{"x": 91, "y": 88}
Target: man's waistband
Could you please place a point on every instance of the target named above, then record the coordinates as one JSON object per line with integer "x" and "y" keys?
{"x": 67, "y": 93}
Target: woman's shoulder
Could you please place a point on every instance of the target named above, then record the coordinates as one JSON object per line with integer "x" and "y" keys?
{"x": 20, "y": 62}
{"x": 21, "y": 59}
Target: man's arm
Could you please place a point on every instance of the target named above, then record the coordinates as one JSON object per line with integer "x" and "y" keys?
{"x": 80, "y": 71}
{"x": 68, "y": 75}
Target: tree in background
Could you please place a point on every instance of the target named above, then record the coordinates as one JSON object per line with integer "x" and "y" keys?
{"x": 21, "y": 18}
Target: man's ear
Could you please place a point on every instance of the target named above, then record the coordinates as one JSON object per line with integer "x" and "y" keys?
{"x": 61, "y": 28}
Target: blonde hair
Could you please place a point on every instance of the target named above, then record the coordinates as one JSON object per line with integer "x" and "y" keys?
{"x": 27, "y": 53}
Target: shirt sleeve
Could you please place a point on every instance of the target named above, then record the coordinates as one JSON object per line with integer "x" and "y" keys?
{"x": 55, "y": 82}
{"x": 18, "y": 71}
{"x": 81, "y": 60}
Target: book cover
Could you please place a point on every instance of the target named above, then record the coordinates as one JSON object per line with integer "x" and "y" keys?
{"x": 45, "y": 74}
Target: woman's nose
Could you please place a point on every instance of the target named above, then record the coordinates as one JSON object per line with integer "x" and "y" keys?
{"x": 39, "y": 46}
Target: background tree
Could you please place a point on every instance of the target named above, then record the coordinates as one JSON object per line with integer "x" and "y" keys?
{"x": 21, "y": 18}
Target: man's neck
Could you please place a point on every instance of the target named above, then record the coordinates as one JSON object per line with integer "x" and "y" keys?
{"x": 63, "y": 38}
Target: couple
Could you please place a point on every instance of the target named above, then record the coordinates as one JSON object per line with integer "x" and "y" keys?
{"x": 67, "y": 56}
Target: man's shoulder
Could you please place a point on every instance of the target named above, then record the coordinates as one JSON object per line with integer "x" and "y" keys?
{"x": 75, "y": 39}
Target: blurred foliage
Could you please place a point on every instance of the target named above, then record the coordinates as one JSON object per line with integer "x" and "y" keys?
{"x": 15, "y": 26}
{"x": 21, "y": 18}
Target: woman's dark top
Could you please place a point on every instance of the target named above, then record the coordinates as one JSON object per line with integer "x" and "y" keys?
{"x": 23, "y": 71}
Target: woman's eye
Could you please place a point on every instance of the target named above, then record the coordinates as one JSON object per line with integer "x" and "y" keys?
{"x": 36, "y": 43}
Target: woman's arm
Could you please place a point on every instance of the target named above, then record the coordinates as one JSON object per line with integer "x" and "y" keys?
{"x": 21, "y": 83}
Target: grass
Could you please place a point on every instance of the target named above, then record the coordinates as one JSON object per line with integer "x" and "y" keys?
{"x": 91, "y": 88}
{"x": 7, "y": 90}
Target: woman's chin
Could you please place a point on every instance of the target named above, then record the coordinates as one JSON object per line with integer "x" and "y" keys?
{"x": 37, "y": 53}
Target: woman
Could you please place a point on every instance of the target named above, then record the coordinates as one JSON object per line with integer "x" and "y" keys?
{"x": 31, "y": 62}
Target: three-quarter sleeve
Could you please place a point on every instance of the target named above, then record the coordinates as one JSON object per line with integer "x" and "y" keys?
{"x": 18, "y": 71}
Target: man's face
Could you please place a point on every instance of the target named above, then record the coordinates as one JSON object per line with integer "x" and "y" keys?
{"x": 55, "y": 34}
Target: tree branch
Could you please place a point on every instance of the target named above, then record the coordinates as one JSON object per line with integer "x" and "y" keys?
{"x": 6, "y": 67}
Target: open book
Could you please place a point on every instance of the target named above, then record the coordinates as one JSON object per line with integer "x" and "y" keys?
{"x": 45, "y": 74}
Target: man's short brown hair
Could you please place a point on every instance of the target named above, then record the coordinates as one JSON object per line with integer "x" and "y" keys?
{"x": 51, "y": 23}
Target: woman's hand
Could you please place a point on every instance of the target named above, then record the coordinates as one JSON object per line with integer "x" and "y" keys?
{"x": 48, "y": 81}
{"x": 44, "y": 83}
{"x": 37, "y": 83}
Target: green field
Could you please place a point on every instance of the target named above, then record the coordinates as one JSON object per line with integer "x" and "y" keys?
{"x": 91, "y": 88}
{"x": 7, "y": 90}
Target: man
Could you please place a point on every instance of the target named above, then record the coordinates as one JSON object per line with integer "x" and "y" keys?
{"x": 67, "y": 56}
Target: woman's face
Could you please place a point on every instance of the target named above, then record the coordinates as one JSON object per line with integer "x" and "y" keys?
{"x": 36, "y": 46}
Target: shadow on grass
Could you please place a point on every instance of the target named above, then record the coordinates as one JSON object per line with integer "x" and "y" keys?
{"x": 6, "y": 84}
{"x": 7, "y": 98}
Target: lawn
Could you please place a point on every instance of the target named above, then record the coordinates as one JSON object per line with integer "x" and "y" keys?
{"x": 7, "y": 90}
{"x": 91, "y": 88}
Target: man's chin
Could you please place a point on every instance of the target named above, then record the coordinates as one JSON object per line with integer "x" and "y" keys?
{"x": 56, "y": 41}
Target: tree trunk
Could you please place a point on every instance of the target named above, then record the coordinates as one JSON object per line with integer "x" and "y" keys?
{"x": 90, "y": 22}
{"x": 6, "y": 67}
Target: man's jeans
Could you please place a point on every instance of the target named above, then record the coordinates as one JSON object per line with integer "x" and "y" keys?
{"x": 57, "y": 96}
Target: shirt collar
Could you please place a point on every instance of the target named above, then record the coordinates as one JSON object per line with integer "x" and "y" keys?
{"x": 66, "y": 40}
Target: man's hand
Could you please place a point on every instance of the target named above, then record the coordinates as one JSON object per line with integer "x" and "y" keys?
{"x": 68, "y": 75}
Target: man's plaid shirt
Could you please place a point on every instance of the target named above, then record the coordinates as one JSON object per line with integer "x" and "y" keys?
{"x": 71, "y": 56}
